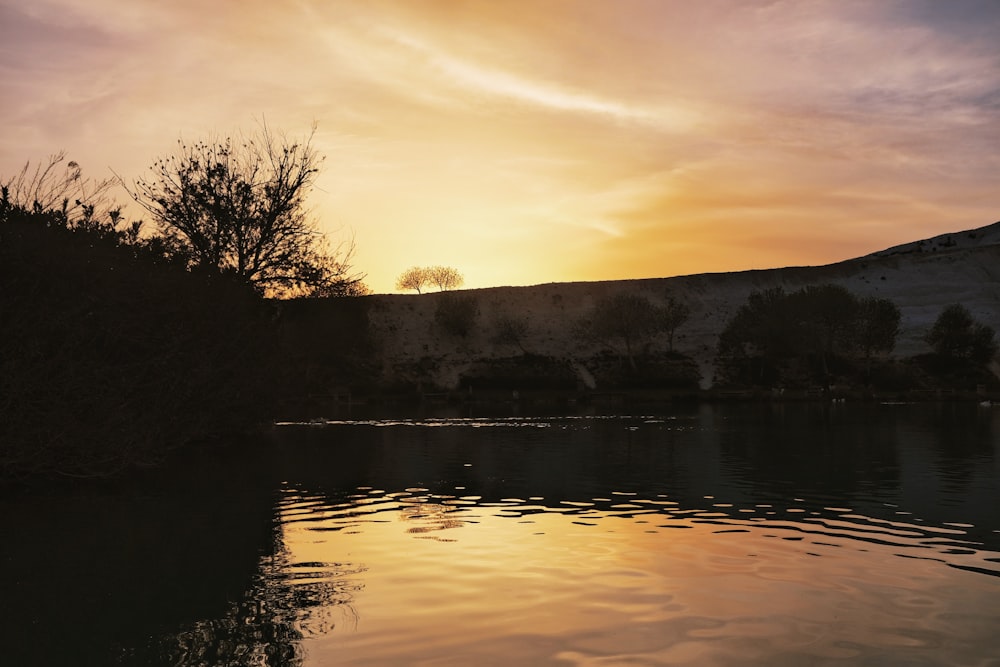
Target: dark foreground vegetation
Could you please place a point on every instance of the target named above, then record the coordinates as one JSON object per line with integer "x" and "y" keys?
{"x": 113, "y": 355}
{"x": 120, "y": 344}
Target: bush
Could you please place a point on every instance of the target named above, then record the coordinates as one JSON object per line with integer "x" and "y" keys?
{"x": 456, "y": 315}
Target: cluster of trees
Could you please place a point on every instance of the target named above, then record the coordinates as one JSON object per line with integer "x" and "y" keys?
{"x": 421, "y": 277}
{"x": 630, "y": 321}
{"x": 776, "y": 335}
{"x": 230, "y": 207}
{"x": 957, "y": 335}
{"x": 816, "y": 324}
{"x": 121, "y": 343}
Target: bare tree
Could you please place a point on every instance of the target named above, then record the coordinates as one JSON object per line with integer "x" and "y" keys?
{"x": 415, "y": 278}
{"x": 444, "y": 277}
{"x": 672, "y": 315}
{"x": 237, "y": 206}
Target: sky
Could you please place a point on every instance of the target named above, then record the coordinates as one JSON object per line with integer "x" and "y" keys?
{"x": 533, "y": 141}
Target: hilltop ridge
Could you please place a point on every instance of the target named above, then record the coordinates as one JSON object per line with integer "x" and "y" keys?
{"x": 921, "y": 277}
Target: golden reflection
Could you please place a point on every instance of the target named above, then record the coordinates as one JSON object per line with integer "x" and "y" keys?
{"x": 639, "y": 582}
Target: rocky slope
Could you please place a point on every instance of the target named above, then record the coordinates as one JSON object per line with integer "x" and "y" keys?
{"x": 920, "y": 277}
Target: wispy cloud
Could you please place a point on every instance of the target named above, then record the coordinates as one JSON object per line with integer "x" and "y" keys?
{"x": 638, "y": 137}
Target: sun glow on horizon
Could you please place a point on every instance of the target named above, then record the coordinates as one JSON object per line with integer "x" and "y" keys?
{"x": 531, "y": 142}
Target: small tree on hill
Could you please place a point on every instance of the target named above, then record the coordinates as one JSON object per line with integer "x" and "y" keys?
{"x": 419, "y": 277}
{"x": 445, "y": 277}
{"x": 414, "y": 278}
{"x": 956, "y": 334}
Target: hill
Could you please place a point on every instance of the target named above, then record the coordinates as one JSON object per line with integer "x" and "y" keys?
{"x": 920, "y": 277}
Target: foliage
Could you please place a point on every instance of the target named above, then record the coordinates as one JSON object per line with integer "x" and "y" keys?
{"x": 414, "y": 278}
{"x": 456, "y": 315}
{"x": 759, "y": 328}
{"x": 445, "y": 277}
{"x": 111, "y": 360}
{"x": 510, "y": 330}
{"x": 877, "y": 326}
{"x": 527, "y": 372}
{"x": 631, "y": 321}
{"x": 957, "y": 335}
{"x": 238, "y": 207}
{"x": 624, "y": 319}
{"x": 653, "y": 370}
{"x": 824, "y": 316}
{"x": 672, "y": 316}
{"x": 419, "y": 277}
{"x": 814, "y": 327}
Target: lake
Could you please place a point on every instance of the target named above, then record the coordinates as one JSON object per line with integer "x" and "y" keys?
{"x": 731, "y": 534}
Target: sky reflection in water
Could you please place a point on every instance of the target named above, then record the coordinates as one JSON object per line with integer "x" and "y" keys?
{"x": 646, "y": 540}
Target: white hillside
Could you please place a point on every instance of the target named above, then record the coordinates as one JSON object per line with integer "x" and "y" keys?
{"x": 920, "y": 277}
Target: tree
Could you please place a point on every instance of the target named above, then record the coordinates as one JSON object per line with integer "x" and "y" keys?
{"x": 415, "y": 278}
{"x": 825, "y": 316}
{"x": 238, "y": 207}
{"x": 419, "y": 277}
{"x": 672, "y": 315}
{"x": 759, "y": 328}
{"x": 444, "y": 277}
{"x": 877, "y": 326}
{"x": 956, "y": 334}
{"x": 630, "y": 319}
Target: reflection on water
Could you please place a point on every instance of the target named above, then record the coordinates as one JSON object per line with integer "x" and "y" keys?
{"x": 727, "y": 535}
{"x": 736, "y": 535}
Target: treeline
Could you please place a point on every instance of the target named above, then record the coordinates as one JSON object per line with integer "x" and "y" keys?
{"x": 119, "y": 344}
{"x": 822, "y": 335}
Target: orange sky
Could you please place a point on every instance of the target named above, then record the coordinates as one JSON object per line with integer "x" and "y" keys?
{"x": 531, "y": 141}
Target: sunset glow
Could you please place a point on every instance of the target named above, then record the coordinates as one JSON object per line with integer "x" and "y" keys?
{"x": 546, "y": 140}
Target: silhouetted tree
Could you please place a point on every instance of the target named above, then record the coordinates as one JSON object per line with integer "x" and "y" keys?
{"x": 877, "y": 326}
{"x": 445, "y": 277}
{"x": 414, "y": 278}
{"x": 238, "y": 207}
{"x": 825, "y": 316}
{"x": 819, "y": 322}
{"x": 760, "y": 328}
{"x": 419, "y": 277}
{"x": 625, "y": 319}
{"x": 672, "y": 315}
{"x": 956, "y": 334}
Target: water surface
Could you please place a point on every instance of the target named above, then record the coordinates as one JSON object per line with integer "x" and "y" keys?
{"x": 725, "y": 535}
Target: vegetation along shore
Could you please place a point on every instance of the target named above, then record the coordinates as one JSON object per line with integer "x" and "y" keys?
{"x": 123, "y": 342}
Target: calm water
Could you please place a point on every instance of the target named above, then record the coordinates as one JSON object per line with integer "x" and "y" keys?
{"x": 725, "y": 535}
